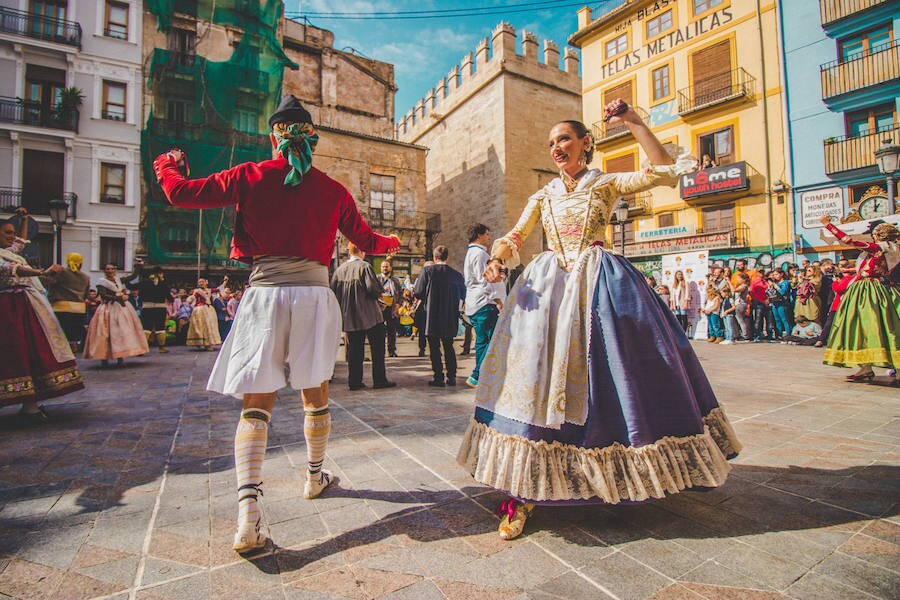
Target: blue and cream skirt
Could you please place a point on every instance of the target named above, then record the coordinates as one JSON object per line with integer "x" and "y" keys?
{"x": 591, "y": 393}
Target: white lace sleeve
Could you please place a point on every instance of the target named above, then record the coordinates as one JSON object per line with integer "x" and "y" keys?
{"x": 513, "y": 240}
{"x": 653, "y": 175}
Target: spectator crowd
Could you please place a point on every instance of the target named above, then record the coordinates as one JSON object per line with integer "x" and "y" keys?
{"x": 793, "y": 304}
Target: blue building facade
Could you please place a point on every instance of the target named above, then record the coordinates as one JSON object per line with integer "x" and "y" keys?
{"x": 842, "y": 81}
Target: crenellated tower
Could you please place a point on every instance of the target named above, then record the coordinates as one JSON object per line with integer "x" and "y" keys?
{"x": 485, "y": 124}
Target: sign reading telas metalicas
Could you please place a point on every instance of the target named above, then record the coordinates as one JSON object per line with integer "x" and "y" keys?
{"x": 715, "y": 180}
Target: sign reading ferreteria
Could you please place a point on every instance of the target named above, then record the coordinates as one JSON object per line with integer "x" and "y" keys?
{"x": 665, "y": 42}
{"x": 682, "y": 244}
{"x": 824, "y": 201}
{"x": 662, "y": 233}
{"x": 715, "y": 180}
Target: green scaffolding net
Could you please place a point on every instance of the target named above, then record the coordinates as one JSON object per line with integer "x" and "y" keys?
{"x": 215, "y": 111}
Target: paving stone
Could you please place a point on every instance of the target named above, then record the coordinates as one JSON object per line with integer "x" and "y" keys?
{"x": 666, "y": 556}
{"x": 625, "y": 577}
{"x": 572, "y": 545}
{"x": 814, "y": 586}
{"x": 715, "y": 573}
{"x": 121, "y": 571}
{"x": 455, "y": 590}
{"x": 861, "y": 575}
{"x": 24, "y": 579}
{"x": 195, "y": 587}
{"x": 573, "y": 586}
{"x": 157, "y": 570}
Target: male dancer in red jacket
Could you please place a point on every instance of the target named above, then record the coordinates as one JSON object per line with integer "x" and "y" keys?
{"x": 286, "y": 218}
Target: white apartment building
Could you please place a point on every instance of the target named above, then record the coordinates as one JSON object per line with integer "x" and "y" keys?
{"x": 87, "y": 153}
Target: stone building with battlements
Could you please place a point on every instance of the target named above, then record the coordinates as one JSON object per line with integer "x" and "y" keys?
{"x": 485, "y": 126}
{"x": 351, "y": 100}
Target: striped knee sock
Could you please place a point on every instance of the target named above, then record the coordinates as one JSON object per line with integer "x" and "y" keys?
{"x": 316, "y": 428}
{"x": 249, "y": 451}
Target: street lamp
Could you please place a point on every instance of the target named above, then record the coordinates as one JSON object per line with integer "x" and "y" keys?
{"x": 621, "y": 218}
{"x": 59, "y": 211}
{"x": 887, "y": 157}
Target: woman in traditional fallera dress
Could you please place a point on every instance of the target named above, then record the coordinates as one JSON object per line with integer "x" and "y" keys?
{"x": 115, "y": 330}
{"x": 866, "y": 327}
{"x": 590, "y": 393}
{"x": 203, "y": 328}
{"x": 38, "y": 362}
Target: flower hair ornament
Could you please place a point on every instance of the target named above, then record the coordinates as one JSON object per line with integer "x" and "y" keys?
{"x": 885, "y": 232}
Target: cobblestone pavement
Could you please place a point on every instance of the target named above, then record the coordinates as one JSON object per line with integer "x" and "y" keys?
{"x": 129, "y": 493}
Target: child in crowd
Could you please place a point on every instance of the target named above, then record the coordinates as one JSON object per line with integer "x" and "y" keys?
{"x": 713, "y": 311}
{"x": 805, "y": 332}
{"x": 728, "y": 310}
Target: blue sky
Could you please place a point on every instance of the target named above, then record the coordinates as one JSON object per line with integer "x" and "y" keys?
{"x": 424, "y": 50}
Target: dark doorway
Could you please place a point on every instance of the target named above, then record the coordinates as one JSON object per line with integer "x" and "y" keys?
{"x": 42, "y": 180}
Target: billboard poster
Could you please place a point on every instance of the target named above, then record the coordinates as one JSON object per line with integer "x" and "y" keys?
{"x": 695, "y": 267}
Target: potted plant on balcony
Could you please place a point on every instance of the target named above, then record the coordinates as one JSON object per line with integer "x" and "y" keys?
{"x": 70, "y": 100}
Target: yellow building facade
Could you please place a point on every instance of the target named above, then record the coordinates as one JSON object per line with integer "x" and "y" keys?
{"x": 705, "y": 75}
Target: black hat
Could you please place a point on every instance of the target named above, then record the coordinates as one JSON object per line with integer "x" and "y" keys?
{"x": 290, "y": 111}
{"x": 873, "y": 225}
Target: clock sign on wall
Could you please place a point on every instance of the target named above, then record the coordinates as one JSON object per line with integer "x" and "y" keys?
{"x": 874, "y": 204}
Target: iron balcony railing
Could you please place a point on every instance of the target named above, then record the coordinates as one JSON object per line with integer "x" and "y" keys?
{"x": 117, "y": 32}
{"x": 165, "y": 61}
{"x": 835, "y": 10}
{"x": 639, "y": 204}
{"x": 716, "y": 90}
{"x": 112, "y": 115}
{"x": 28, "y": 112}
{"x": 389, "y": 218}
{"x": 844, "y": 76}
{"x": 739, "y": 235}
{"x": 604, "y": 132}
{"x": 846, "y": 153}
{"x": 40, "y": 27}
{"x": 11, "y": 198}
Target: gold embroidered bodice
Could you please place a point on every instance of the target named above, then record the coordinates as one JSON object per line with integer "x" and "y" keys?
{"x": 572, "y": 221}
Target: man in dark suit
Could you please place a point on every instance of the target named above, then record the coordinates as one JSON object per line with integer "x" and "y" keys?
{"x": 391, "y": 294}
{"x": 442, "y": 289}
{"x": 357, "y": 290}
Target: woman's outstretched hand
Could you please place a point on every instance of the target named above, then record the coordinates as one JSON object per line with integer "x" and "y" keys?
{"x": 616, "y": 115}
{"x": 494, "y": 271}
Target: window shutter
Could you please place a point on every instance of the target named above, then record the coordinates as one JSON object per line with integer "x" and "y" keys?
{"x": 720, "y": 218}
{"x": 622, "y": 163}
{"x": 622, "y": 91}
{"x": 711, "y": 72}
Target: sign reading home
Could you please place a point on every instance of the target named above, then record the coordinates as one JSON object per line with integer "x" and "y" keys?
{"x": 816, "y": 203}
{"x": 715, "y": 180}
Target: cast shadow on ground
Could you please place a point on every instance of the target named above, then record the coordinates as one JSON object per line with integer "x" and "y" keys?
{"x": 755, "y": 500}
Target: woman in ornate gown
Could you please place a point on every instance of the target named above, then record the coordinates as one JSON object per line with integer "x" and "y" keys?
{"x": 37, "y": 361}
{"x": 590, "y": 393}
{"x": 115, "y": 330}
{"x": 203, "y": 328}
{"x": 866, "y": 327}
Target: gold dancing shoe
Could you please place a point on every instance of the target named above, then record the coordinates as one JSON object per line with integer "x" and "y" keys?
{"x": 514, "y": 516}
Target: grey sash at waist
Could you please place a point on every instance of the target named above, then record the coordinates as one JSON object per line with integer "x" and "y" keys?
{"x": 283, "y": 271}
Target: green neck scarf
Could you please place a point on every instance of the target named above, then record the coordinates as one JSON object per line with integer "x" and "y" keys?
{"x": 296, "y": 147}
